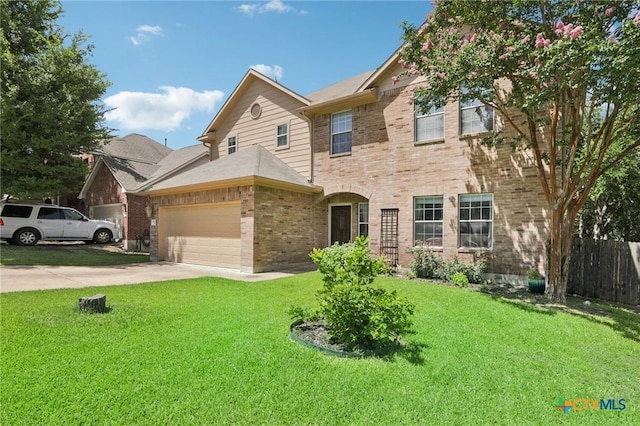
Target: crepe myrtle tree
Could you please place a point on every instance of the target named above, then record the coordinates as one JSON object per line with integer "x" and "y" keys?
{"x": 563, "y": 76}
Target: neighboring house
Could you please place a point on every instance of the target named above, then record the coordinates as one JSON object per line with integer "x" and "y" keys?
{"x": 292, "y": 172}
{"x": 124, "y": 166}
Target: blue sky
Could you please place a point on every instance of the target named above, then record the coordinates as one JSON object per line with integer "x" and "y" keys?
{"x": 172, "y": 64}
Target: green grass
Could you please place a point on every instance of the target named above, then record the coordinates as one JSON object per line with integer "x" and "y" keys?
{"x": 76, "y": 255}
{"x": 215, "y": 351}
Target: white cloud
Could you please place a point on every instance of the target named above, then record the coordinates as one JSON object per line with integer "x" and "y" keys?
{"x": 273, "y": 72}
{"x": 144, "y": 33}
{"x": 270, "y": 6}
{"x": 248, "y": 9}
{"x": 276, "y": 6}
{"x": 158, "y": 111}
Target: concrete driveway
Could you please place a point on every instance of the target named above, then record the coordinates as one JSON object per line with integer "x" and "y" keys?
{"x": 28, "y": 278}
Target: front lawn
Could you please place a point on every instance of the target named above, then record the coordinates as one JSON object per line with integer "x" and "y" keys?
{"x": 70, "y": 255}
{"x": 215, "y": 351}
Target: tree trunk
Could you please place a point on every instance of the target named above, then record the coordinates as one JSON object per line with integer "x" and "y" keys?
{"x": 559, "y": 255}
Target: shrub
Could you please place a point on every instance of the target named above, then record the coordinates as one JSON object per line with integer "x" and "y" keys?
{"x": 427, "y": 264}
{"x": 350, "y": 262}
{"x": 357, "y": 314}
{"x": 363, "y": 316}
{"x": 534, "y": 275}
{"x": 459, "y": 279}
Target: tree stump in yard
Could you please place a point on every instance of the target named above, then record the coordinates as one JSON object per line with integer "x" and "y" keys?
{"x": 95, "y": 304}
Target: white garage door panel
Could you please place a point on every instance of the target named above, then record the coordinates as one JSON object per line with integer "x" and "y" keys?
{"x": 202, "y": 235}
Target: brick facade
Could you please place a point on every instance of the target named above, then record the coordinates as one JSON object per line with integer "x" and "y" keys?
{"x": 277, "y": 226}
{"x": 390, "y": 169}
{"x": 106, "y": 190}
{"x": 288, "y": 225}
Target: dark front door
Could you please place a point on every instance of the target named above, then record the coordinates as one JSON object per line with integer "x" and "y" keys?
{"x": 340, "y": 224}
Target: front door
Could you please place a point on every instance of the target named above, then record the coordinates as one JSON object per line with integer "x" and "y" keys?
{"x": 340, "y": 224}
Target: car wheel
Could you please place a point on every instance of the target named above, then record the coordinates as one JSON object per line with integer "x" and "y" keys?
{"x": 102, "y": 236}
{"x": 26, "y": 237}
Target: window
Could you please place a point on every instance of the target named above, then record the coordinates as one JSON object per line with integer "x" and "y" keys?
{"x": 430, "y": 125}
{"x": 363, "y": 219}
{"x": 282, "y": 138}
{"x": 16, "y": 211}
{"x": 49, "y": 213}
{"x": 232, "y": 145}
{"x": 476, "y": 220}
{"x": 475, "y": 117}
{"x": 427, "y": 221}
{"x": 341, "y": 132}
{"x": 70, "y": 214}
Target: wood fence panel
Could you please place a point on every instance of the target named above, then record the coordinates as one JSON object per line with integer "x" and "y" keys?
{"x": 607, "y": 270}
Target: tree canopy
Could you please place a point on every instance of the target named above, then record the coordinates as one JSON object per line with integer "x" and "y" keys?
{"x": 613, "y": 208}
{"x": 50, "y": 105}
{"x": 563, "y": 76}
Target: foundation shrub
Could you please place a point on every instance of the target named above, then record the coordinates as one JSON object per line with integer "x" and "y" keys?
{"x": 428, "y": 264}
{"x": 357, "y": 314}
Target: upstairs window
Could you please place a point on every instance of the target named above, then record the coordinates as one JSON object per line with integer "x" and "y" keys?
{"x": 341, "y": 132}
{"x": 282, "y": 136}
{"x": 232, "y": 145}
{"x": 429, "y": 126}
{"x": 475, "y": 117}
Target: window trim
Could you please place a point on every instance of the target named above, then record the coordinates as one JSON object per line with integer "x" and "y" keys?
{"x": 285, "y": 135}
{"x": 234, "y": 146}
{"x": 331, "y": 150}
{"x": 441, "y": 221}
{"x": 419, "y": 115}
{"x": 360, "y": 223}
{"x": 489, "y": 246}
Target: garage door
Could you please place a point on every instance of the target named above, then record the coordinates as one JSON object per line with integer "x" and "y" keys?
{"x": 110, "y": 212}
{"x": 201, "y": 234}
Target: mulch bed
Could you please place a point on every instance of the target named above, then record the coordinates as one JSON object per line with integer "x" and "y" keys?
{"x": 317, "y": 334}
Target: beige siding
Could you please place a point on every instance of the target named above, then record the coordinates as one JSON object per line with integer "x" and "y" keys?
{"x": 277, "y": 108}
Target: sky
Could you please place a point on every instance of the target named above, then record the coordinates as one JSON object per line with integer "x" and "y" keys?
{"x": 173, "y": 64}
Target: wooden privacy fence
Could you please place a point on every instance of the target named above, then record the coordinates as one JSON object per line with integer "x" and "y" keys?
{"x": 607, "y": 270}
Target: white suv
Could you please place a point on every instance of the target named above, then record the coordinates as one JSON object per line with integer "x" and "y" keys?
{"x": 26, "y": 224}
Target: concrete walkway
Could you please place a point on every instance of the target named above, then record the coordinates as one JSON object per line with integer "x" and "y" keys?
{"x": 28, "y": 278}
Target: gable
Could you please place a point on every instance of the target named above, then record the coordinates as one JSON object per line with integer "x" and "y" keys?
{"x": 272, "y": 107}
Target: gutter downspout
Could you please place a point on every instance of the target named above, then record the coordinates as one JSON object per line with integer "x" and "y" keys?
{"x": 306, "y": 118}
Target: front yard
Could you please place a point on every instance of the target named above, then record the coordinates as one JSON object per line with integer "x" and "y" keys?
{"x": 214, "y": 351}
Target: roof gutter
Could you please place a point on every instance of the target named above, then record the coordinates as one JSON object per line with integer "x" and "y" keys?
{"x": 360, "y": 98}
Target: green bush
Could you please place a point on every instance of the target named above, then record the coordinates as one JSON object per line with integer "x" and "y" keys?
{"x": 427, "y": 264}
{"x": 350, "y": 262}
{"x": 357, "y": 315}
{"x": 459, "y": 279}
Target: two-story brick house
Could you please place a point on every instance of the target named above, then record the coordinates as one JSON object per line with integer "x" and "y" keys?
{"x": 292, "y": 172}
